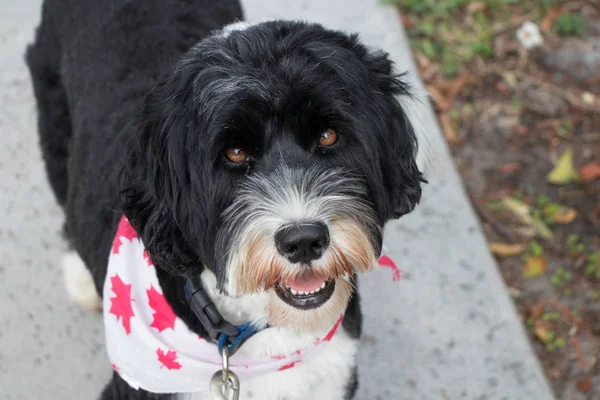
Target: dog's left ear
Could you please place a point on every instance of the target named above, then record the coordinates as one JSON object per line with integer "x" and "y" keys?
{"x": 398, "y": 150}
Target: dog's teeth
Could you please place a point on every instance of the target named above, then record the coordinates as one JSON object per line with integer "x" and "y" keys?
{"x": 302, "y": 293}
{"x": 322, "y": 285}
{"x": 312, "y": 292}
{"x": 293, "y": 292}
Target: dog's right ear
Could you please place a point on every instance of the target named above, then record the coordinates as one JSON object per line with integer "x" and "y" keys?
{"x": 155, "y": 183}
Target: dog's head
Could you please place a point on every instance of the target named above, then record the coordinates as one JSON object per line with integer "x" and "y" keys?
{"x": 273, "y": 156}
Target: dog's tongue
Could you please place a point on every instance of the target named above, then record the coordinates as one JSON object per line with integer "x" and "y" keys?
{"x": 305, "y": 284}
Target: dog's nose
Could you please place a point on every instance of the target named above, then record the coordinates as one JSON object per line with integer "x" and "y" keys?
{"x": 302, "y": 243}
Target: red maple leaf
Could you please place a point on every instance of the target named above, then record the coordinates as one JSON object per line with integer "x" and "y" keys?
{"x": 121, "y": 303}
{"x": 168, "y": 359}
{"x": 288, "y": 366}
{"x": 387, "y": 262}
{"x": 164, "y": 317}
{"x": 125, "y": 230}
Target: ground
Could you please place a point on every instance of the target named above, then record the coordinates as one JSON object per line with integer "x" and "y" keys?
{"x": 520, "y": 111}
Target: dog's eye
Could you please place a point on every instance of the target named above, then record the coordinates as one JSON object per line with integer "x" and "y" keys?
{"x": 236, "y": 155}
{"x": 328, "y": 138}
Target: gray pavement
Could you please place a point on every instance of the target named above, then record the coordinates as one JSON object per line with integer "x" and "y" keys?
{"x": 447, "y": 330}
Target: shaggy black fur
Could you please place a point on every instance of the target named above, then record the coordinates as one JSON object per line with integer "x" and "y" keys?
{"x": 134, "y": 118}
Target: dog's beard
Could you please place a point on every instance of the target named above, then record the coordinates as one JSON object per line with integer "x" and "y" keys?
{"x": 266, "y": 203}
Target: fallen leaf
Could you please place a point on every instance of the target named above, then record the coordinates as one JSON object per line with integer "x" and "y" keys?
{"x": 541, "y": 228}
{"x": 535, "y": 266}
{"x": 550, "y": 17}
{"x": 564, "y": 172}
{"x": 510, "y": 167}
{"x": 456, "y": 85}
{"x": 441, "y": 102}
{"x": 448, "y": 129}
{"x": 510, "y": 78}
{"x": 536, "y": 310}
{"x": 588, "y": 98}
{"x": 476, "y": 6}
{"x": 521, "y": 130}
{"x": 519, "y": 208}
{"x": 565, "y": 215}
{"x": 506, "y": 250}
{"x": 590, "y": 172}
{"x": 543, "y": 333}
{"x": 584, "y": 385}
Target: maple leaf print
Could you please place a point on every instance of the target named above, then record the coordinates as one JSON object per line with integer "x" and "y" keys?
{"x": 387, "y": 262}
{"x": 164, "y": 317}
{"x": 288, "y": 366}
{"x": 125, "y": 230}
{"x": 168, "y": 359}
{"x": 121, "y": 303}
{"x": 147, "y": 258}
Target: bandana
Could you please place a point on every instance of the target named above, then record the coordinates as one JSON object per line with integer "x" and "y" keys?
{"x": 151, "y": 348}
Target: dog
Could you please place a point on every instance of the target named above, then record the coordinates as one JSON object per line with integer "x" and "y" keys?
{"x": 222, "y": 182}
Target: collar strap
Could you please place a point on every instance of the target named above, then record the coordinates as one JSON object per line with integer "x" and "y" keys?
{"x": 218, "y": 328}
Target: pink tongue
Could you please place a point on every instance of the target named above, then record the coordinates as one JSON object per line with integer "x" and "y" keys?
{"x": 305, "y": 284}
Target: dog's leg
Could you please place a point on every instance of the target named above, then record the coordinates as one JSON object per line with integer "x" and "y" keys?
{"x": 54, "y": 123}
{"x": 80, "y": 283}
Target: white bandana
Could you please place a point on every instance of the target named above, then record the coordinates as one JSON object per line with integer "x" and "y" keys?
{"x": 149, "y": 346}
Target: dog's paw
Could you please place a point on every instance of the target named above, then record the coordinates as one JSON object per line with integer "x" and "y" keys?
{"x": 79, "y": 283}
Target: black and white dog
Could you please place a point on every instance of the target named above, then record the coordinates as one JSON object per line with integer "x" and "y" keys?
{"x": 264, "y": 159}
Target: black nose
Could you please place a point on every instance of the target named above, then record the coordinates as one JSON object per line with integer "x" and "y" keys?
{"x": 302, "y": 243}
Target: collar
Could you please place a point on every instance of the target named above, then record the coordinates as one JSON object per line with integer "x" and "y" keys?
{"x": 219, "y": 329}
{"x": 151, "y": 348}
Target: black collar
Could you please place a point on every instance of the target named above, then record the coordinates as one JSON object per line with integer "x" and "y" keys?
{"x": 206, "y": 312}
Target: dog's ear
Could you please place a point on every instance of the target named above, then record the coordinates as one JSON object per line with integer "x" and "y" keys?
{"x": 401, "y": 176}
{"x": 155, "y": 185}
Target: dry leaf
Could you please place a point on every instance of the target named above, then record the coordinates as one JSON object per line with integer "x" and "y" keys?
{"x": 510, "y": 167}
{"x": 519, "y": 208}
{"x": 584, "y": 385}
{"x": 541, "y": 228}
{"x": 535, "y": 266}
{"x": 588, "y": 98}
{"x": 506, "y": 250}
{"x": 441, "y": 102}
{"x": 448, "y": 129}
{"x": 549, "y": 18}
{"x": 543, "y": 333}
{"x": 564, "y": 172}
{"x": 565, "y": 215}
{"x": 590, "y": 172}
{"x": 476, "y": 6}
{"x": 536, "y": 310}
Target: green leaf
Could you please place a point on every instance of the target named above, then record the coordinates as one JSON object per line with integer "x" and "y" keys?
{"x": 564, "y": 171}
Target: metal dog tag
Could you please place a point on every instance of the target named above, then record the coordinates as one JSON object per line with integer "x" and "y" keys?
{"x": 225, "y": 390}
{"x": 225, "y": 385}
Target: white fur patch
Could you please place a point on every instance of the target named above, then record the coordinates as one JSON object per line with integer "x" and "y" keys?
{"x": 236, "y": 26}
{"x": 79, "y": 282}
{"x": 324, "y": 376}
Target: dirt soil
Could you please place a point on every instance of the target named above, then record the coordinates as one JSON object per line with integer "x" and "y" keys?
{"x": 524, "y": 129}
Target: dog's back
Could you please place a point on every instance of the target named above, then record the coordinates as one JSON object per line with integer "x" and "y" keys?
{"x": 92, "y": 64}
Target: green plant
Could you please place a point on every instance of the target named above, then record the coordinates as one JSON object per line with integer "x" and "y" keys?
{"x": 555, "y": 343}
{"x": 569, "y": 25}
{"x": 560, "y": 277}
{"x": 574, "y": 245}
{"x": 551, "y": 316}
{"x": 593, "y": 265}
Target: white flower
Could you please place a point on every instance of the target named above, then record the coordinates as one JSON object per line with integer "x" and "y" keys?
{"x": 529, "y": 35}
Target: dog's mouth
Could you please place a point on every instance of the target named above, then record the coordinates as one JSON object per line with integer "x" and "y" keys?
{"x": 306, "y": 292}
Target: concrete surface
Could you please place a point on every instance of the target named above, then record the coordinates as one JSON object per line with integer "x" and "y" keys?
{"x": 446, "y": 331}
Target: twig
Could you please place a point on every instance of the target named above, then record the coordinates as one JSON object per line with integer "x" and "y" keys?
{"x": 580, "y": 359}
{"x": 576, "y": 319}
{"x": 547, "y": 85}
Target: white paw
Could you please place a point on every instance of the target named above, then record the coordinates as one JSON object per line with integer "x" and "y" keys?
{"x": 79, "y": 282}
